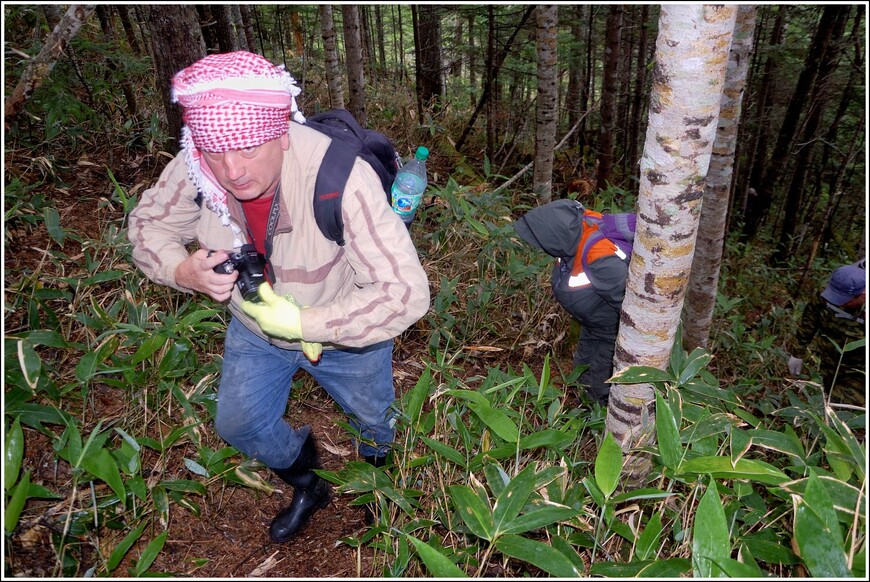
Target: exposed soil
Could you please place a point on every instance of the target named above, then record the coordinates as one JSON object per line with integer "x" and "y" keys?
{"x": 230, "y": 537}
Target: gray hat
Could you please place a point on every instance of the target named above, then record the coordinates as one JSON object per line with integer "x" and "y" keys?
{"x": 845, "y": 283}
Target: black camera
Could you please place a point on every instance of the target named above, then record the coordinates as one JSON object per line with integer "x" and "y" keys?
{"x": 251, "y": 266}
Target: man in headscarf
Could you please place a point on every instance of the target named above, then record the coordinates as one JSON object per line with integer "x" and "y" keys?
{"x": 588, "y": 278}
{"x": 242, "y": 187}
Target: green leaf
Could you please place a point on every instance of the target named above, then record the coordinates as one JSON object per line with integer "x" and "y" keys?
{"x": 648, "y": 540}
{"x": 150, "y": 554}
{"x": 13, "y": 454}
{"x": 123, "y": 547}
{"x": 511, "y": 500}
{"x": 567, "y": 550}
{"x": 497, "y": 421}
{"x": 102, "y": 466}
{"x": 777, "y": 441}
{"x": 437, "y": 563}
{"x": 667, "y": 434}
{"x": 538, "y": 554}
{"x": 51, "y": 218}
{"x": 148, "y": 347}
{"x": 818, "y": 534}
{"x": 740, "y": 443}
{"x": 721, "y": 468}
{"x": 184, "y": 486}
{"x": 547, "y": 438}
{"x": 697, "y": 360}
{"x": 445, "y": 451}
{"x": 30, "y": 363}
{"x": 608, "y": 465}
{"x": 732, "y": 568}
{"x": 416, "y": 397}
{"x": 711, "y": 541}
{"x": 474, "y": 511}
{"x": 642, "y": 375}
{"x": 544, "y": 514}
{"x": 845, "y": 498}
{"x": 645, "y": 493}
{"x": 16, "y": 503}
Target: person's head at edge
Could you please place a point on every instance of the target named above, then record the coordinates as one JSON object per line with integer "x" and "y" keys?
{"x": 846, "y": 287}
{"x": 236, "y": 112}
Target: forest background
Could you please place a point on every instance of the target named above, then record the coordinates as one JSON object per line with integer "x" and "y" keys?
{"x": 111, "y": 467}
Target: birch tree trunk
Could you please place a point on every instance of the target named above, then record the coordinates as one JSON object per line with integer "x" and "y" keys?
{"x": 548, "y": 93}
{"x": 690, "y": 62}
{"x": 704, "y": 280}
{"x": 354, "y": 57}
{"x": 40, "y": 66}
{"x": 330, "y": 57}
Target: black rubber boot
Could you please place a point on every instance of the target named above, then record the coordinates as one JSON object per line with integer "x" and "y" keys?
{"x": 370, "y": 509}
{"x": 310, "y": 493}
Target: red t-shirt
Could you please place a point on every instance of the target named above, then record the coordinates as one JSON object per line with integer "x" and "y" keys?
{"x": 257, "y": 215}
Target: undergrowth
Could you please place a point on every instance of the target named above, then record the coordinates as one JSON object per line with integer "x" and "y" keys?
{"x": 494, "y": 470}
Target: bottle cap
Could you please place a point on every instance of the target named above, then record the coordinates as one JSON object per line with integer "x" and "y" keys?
{"x": 422, "y": 153}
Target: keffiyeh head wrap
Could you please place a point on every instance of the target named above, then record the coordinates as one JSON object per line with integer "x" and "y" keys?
{"x": 231, "y": 101}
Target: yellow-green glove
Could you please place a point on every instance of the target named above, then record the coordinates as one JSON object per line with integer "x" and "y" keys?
{"x": 280, "y": 317}
{"x": 312, "y": 350}
{"x": 276, "y": 316}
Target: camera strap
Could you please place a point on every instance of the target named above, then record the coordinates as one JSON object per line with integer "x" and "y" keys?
{"x": 271, "y": 225}
{"x": 272, "y": 222}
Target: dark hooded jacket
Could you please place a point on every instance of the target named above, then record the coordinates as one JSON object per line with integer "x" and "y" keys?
{"x": 556, "y": 229}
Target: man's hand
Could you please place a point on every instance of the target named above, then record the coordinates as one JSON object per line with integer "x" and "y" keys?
{"x": 795, "y": 365}
{"x": 277, "y": 316}
{"x": 196, "y": 272}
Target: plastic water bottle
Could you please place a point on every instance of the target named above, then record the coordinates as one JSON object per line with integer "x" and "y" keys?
{"x": 409, "y": 186}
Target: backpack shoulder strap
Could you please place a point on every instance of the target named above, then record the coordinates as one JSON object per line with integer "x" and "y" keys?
{"x": 329, "y": 189}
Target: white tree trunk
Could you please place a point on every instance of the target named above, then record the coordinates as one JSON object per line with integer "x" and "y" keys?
{"x": 690, "y": 63}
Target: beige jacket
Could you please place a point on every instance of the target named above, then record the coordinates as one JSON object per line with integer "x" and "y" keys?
{"x": 371, "y": 289}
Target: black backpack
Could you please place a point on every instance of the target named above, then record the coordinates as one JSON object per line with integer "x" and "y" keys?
{"x": 349, "y": 141}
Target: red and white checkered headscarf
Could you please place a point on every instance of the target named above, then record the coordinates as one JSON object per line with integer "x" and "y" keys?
{"x": 231, "y": 101}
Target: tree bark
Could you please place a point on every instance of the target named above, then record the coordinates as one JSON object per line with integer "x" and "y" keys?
{"x": 330, "y": 57}
{"x": 547, "y": 18}
{"x": 178, "y": 42}
{"x": 691, "y": 58}
{"x": 248, "y": 26}
{"x": 354, "y": 63}
{"x": 609, "y": 98}
{"x": 40, "y": 66}
{"x": 706, "y": 264}
{"x": 429, "y": 73}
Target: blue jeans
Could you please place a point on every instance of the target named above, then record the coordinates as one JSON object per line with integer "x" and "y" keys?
{"x": 255, "y": 384}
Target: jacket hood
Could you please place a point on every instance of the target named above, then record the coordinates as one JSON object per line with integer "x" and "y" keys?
{"x": 555, "y": 228}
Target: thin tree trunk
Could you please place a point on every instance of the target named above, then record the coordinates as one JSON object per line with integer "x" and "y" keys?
{"x": 248, "y": 26}
{"x": 330, "y": 57}
{"x": 609, "y": 98}
{"x": 39, "y": 68}
{"x": 704, "y": 279}
{"x": 354, "y": 63}
{"x": 691, "y": 58}
{"x": 547, "y": 17}
{"x": 634, "y": 126}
